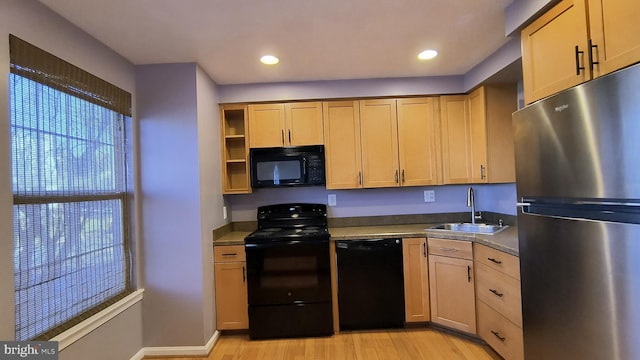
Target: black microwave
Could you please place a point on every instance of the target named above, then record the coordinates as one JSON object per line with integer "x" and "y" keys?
{"x": 287, "y": 166}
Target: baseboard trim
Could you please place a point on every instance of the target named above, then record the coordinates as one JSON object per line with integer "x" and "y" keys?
{"x": 196, "y": 351}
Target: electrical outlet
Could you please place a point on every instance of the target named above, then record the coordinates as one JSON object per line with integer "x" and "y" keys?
{"x": 429, "y": 196}
{"x": 224, "y": 212}
{"x": 331, "y": 201}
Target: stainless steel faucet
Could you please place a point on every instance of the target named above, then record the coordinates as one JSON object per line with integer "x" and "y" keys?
{"x": 472, "y": 204}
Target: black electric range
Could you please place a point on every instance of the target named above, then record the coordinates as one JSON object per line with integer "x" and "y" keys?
{"x": 288, "y": 272}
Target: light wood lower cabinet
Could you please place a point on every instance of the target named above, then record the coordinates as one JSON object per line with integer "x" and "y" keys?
{"x": 231, "y": 287}
{"x": 451, "y": 284}
{"x": 501, "y": 334}
{"x": 499, "y": 301}
{"x": 416, "y": 280}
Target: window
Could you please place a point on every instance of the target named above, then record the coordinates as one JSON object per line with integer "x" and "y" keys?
{"x": 71, "y": 247}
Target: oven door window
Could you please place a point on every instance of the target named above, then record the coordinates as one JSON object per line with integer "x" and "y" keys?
{"x": 288, "y": 274}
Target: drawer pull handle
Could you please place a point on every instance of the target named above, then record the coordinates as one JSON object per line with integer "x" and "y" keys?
{"x": 495, "y": 261}
{"x": 468, "y": 273}
{"x": 244, "y": 275}
{"x": 497, "y": 334}
{"x": 495, "y": 292}
{"x": 448, "y": 249}
{"x": 230, "y": 254}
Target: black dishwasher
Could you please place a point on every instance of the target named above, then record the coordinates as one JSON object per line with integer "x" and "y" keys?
{"x": 370, "y": 284}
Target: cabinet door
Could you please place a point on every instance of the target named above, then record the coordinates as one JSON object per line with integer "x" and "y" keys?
{"x": 452, "y": 293}
{"x": 416, "y": 279}
{"x": 342, "y": 145}
{"x": 266, "y": 125}
{"x": 454, "y": 119}
{"x": 231, "y": 296}
{"x": 379, "y": 131}
{"x": 501, "y": 102}
{"x": 478, "y": 131}
{"x": 417, "y": 141}
{"x": 550, "y": 61}
{"x": 614, "y": 30}
{"x": 303, "y": 123}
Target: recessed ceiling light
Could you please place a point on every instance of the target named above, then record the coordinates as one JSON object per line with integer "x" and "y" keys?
{"x": 269, "y": 60}
{"x": 427, "y": 54}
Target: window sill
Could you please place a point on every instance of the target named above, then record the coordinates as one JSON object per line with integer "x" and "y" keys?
{"x": 77, "y": 332}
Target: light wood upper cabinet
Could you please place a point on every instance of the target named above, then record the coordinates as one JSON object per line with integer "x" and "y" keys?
{"x": 556, "y": 51}
{"x": 455, "y": 137}
{"x": 550, "y": 61}
{"x": 451, "y": 284}
{"x": 416, "y": 280}
{"x": 477, "y": 139}
{"x": 342, "y": 144}
{"x": 492, "y": 153}
{"x": 379, "y": 131}
{"x": 266, "y": 125}
{"x": 290, "y": 124}
{"x": 614, "y": 30}
{"x": 234, "y": 149}
{"x": 303, "y": 123}
{"x": 231, "y": 288}
{"x": 418, "y": 141}
{"x": 382, "y": 143}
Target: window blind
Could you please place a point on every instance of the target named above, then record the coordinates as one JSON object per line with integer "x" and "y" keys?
{"x": 71, "y": 247}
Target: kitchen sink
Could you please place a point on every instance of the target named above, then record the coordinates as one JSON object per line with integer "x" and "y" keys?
{"x": 469, "y": 227}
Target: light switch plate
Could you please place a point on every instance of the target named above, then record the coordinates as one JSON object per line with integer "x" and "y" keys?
{"x": 331, "y": 201}
{"x": 429, "y": 196}
{"x": 224, "y": 212}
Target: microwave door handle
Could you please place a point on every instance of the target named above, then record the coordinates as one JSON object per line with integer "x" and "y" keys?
{"x": 304, "y": 168}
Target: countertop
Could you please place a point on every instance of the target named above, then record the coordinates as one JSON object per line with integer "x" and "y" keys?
{"x": 506, "y": 240}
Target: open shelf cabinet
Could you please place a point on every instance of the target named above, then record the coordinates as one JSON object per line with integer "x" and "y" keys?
{"x": 235, "y": 149}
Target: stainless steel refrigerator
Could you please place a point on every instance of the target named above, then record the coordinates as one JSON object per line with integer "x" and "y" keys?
{"x": 578, "y": 184}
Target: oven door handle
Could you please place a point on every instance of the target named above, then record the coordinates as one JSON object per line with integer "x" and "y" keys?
{"x": 284, "y": 243}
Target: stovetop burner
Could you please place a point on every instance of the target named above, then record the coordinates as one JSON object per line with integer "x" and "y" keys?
{"x": 283, "y": 222}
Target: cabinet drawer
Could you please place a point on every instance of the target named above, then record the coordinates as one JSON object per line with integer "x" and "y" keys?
{"x": 451, "y": 248}
{"x": 497, "y": 260}
{"x": 499, "y": 291}
{"x": 227, "y": 253}
{"x": 501, "y": 334}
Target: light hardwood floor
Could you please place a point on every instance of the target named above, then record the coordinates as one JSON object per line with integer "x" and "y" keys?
{"x": 405, "y": 344}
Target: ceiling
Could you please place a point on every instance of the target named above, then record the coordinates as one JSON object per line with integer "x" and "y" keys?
{"x": 315, "y": 40}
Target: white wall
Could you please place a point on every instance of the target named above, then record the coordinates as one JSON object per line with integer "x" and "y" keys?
{"x": 179, "y": 151}
{"x": 499, "y": 198}
{"x": 211, "y": 200}
{"x": 34, "y": 23}
{"x": 341, "y": 89}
